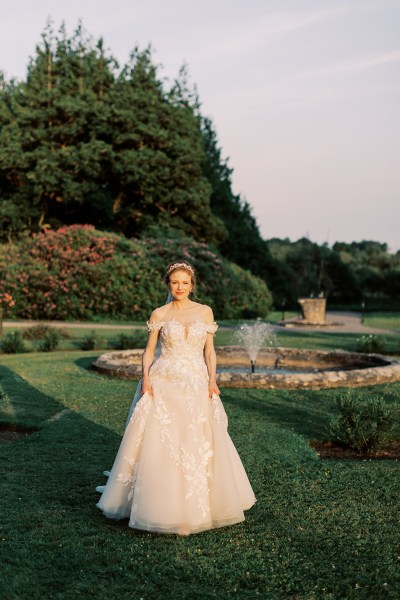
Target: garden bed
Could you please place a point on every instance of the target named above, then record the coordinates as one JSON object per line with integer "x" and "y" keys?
{"x": 329, "y": 449}
{"x": 11, "y": 433}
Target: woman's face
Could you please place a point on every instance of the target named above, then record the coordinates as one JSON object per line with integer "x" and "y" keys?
{"x": 180, "y": 284}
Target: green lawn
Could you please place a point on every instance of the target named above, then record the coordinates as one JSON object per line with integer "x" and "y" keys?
{"x": 388, "y": 320}
{"x": 319, "y": 529}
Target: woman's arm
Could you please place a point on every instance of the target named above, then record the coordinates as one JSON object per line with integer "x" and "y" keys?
{"x": 211, "y": 357}
{"x": 148, "y": 356}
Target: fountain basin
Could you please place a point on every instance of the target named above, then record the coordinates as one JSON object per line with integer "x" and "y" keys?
{"x": 308, "y": 369}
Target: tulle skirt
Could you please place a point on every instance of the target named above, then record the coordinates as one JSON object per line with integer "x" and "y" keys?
{"x": 177, "y": 469}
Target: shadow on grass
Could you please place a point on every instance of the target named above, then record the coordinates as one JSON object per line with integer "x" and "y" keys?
{"x": 86, "y": 362}
{"x": 58, "y": 465}
{"x": 307, "y": 413}
{"x": 289, "y": 409}
{"x": 25, "y": 407}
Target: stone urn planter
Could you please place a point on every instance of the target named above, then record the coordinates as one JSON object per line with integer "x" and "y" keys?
{"x": 313, "y": 310}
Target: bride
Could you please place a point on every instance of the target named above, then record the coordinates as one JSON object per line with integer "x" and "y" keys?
{"x": 177, "y": 470}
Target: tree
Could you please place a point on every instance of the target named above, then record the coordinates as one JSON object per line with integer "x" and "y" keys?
{"x": 56, "y": 163}
{"x": 83, "y": 143}
{"x": 157, "y": 156}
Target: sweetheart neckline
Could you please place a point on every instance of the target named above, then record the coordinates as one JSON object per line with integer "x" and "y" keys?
{"x": 183, "y": 325}
{"x": 186, "y": 330}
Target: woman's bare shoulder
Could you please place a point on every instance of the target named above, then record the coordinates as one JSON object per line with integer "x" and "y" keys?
{"x": 158, "y": 314}
{"x": 207, "y": 312}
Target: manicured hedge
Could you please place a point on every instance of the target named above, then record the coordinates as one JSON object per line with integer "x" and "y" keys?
{"x": 78, "y": 272}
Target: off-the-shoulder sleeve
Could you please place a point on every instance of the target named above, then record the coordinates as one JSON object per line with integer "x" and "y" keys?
{"x": 155, "y": 326}
{"x": 212, "y": 328}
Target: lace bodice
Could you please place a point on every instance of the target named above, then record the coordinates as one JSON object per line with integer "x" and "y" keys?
{"x": 181, "y": 357}
{"x": 174, "y": 334}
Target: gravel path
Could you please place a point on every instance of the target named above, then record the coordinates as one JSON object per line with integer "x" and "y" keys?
{"x": 342, "y": 322}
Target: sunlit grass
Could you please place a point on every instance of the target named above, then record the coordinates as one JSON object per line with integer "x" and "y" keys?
{"x": 383, "y": 320}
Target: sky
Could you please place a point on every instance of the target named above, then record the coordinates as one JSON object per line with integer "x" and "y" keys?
{"x": 304, "y": 96}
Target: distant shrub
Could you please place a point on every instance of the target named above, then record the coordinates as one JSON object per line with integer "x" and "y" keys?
{"x": 371, "y": 344}
{"x": 362, "y": 426}
{"x": 12, "y": 343}
{"x": 38, "y": 332}
{"x": 50, "y": 341}
{"x": 89, "y": 342}
{"x": 138, "y": 339}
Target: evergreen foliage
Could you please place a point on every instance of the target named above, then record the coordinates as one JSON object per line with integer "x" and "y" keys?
{"x": 83, "y": 142}
{"x": 12, "y": 343}
{"x": 50, "y": 341}
{"x": 363, "y": 426}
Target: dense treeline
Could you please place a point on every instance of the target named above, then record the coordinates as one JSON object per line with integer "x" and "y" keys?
{"x": 84, "y": 140}
{"x": 347, "y": 274}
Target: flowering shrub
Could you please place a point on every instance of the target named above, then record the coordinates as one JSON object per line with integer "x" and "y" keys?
{"x": 231, "y": 291}
{"x": 77, "y": 272}
{"x": 6, "y": 300}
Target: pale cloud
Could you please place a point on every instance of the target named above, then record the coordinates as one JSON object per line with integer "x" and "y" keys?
{"x": 285, "y": 93}
{"x": 354, "y": 64}
{"x": 249, "y": 36}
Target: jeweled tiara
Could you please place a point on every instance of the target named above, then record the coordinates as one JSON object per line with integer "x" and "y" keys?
{"x": 180, "y": 265}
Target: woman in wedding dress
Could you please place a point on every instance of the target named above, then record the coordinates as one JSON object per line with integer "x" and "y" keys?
{"x": 177, "y": 470}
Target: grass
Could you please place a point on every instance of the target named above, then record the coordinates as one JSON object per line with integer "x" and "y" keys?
{"x": 319, "y": 529}
{"x": 389, "y": 320}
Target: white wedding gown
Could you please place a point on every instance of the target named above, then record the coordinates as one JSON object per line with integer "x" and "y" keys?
{"x": 176, "y": 468}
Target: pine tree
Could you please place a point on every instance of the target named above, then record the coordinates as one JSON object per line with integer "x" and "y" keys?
{"x": 82, "y": 143}
{"x": 58, "y": 160}
{"x": 157, "y": 156}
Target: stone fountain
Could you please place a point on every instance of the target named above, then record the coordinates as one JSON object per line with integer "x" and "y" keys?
{"x": 253, "y": 338}
{"x": 284, "y": 368}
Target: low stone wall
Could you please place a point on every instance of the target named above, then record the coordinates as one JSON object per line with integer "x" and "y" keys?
{"x": 351, "y": 369}
{"x": 124, "y": 363}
